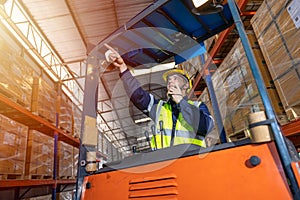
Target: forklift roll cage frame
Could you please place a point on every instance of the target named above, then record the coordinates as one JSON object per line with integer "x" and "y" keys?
{"x": 90, "y": 109}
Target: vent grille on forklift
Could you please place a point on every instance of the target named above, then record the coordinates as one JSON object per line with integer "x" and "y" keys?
{"x": 159, "y": 187}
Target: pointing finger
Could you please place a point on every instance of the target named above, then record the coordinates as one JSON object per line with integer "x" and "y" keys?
{"x": 112, "y": 49}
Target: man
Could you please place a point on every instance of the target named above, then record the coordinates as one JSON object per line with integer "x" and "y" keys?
{"x": 178, "y": 120}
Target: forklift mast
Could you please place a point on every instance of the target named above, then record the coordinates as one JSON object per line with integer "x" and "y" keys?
{"x": 229, "y": 170}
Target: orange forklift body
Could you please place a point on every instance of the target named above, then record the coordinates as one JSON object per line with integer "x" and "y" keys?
{"x": 221, "y": 174}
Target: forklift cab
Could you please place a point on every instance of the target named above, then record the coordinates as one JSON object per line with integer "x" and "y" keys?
{"x": 230, "y": 170}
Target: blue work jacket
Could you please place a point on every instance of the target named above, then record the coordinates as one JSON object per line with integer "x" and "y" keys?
{"x": 198, "y": 117}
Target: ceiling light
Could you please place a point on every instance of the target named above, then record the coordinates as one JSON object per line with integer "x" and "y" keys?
{"x": 205, "y": 7}
{"x": 157, "y": 68}
{"x": 198, "y": 3}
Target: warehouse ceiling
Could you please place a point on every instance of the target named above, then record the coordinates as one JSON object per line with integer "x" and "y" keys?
{"x": 73, "y": 28}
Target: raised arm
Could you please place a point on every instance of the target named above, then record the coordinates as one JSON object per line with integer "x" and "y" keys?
{"x": 138, "y": 96}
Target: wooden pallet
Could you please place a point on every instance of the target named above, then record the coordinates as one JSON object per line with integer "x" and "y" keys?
{"x": 9, "y": 94}
{"x": 13, "y": 96}
{"x": 37, "y": 176}
{"x": 67, "y": 177}
{"x": 44, "y": 116}
{"x": 239, "y": 135}
{"x": 11, "y": 176}
{"x": 66, "y": 130}
{"x": 293, "y": 113}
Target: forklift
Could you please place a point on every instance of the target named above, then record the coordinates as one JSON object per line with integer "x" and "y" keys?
{"x": 244, "y": 169}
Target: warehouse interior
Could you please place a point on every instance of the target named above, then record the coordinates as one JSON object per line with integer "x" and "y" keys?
{"x": 44, "y": 50}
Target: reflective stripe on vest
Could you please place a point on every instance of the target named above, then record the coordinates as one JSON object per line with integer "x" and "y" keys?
{"x": 184, "y": 133}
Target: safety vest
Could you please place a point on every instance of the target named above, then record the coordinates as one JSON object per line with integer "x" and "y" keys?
{"x": 184, "y": 132}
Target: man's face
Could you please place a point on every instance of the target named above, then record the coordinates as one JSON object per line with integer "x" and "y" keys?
{"x": 176, "y": 80}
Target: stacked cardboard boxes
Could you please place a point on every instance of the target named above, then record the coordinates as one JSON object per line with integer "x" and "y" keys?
{"x": 61, "y": 196}
{"x": 44, "y": 99}
{"x": 236, "y": 89}
{"x": 15, "y": 73}
{"x": 76, "y": 122}
{"x": 13, "y": 138}
{"x": 66, "y": 160}
{"x": 66, "y": 114}
{"x": 40, "y": 156}
{"x": 276, "y": 25}
{"x": 24, "y": 153}
{"x": 75, "y": 161}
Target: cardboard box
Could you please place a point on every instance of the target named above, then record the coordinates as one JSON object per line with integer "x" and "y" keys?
{"x": 44, "y": 99}
{"x": 15, "y": 75}
{"x": 278, "y": 37}
{"x": 13, "y": 138}
{"x": 65, "y": 160}
{"x": 65, "y": 114}
{"x": 236, "y": 89}
{"x": 40, "y": 156}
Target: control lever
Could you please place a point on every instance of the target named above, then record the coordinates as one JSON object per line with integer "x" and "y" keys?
{"x": 133, "y": 149}
{"x": 147, "y": 137}
{"x": 161, "y": 127}
{"x": 154, "y": 135}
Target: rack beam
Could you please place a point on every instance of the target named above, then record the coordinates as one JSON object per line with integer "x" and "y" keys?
{"x": 39, "y": 182}
{"x": 19, "y": 114}
{"x": 291, "y": 128}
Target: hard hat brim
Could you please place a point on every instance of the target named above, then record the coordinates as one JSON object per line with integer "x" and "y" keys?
{"x": 179, "y": 72}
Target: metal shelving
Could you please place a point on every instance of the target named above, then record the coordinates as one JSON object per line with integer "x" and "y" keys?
{"x": 19, "y": 114}
{"x": 16, "y": 188}
{"x": 30, "y": 183}
{"x": 292, "y": 129}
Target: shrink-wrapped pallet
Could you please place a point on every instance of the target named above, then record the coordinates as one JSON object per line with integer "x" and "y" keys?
{"x": 77, "y": 113}
{"x": 40, "y": 155}
{"x": 65, "y": 160}
{"x": 276, "y": 25}
{"x": 13, "y": 138}
{"x": 65, "y": 195}
{"x": 44, "y": 99}
{"x": 44, "y": 197}
{"x": 239, "y": 100}
{"x": 210, "y": 42}
{"x": 61, "y": 196}
{"x": 236, "y": 89}
{"x": 75, "y": 161}
{"x": 65, "y": 114}
{"x": 15, "y": 73}
{"x": 191, "y": 66}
